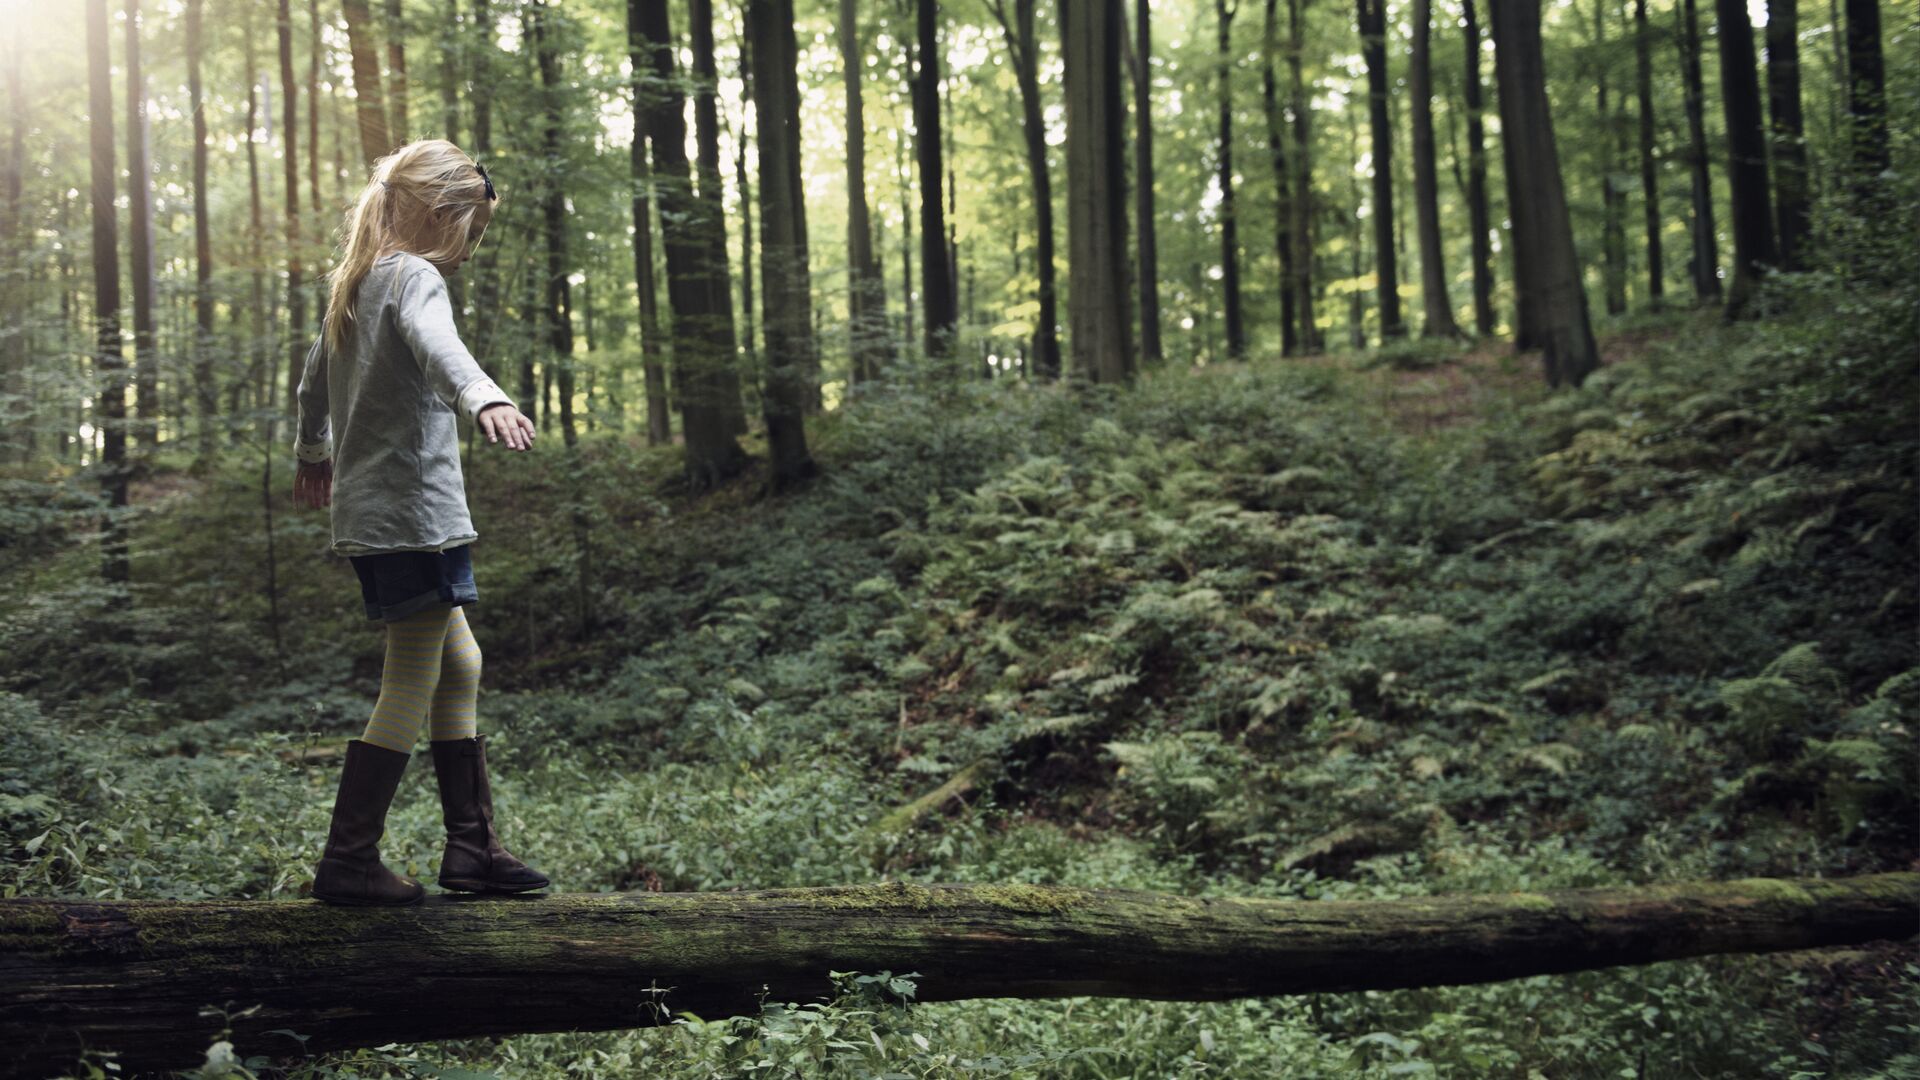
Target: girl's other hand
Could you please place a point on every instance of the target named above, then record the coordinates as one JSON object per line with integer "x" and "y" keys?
{"x": 505, "y": 422}
{"x": 313, "y": 484}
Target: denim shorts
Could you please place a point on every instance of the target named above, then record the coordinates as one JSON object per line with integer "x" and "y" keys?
{"x": 397, "y": 584}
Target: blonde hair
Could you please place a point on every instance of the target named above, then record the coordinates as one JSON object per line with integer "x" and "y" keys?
{"x": 422, "y": 198}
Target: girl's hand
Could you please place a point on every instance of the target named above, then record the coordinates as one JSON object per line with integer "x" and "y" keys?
{"x": 503, "y": 421}
{"x": 313, "y": 484}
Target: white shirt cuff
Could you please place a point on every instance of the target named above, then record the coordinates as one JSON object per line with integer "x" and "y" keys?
{"x": 313, "y": 452}
{"x": 479, "y": 394}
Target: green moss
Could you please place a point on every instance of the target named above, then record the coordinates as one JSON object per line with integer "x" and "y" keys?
{"x": 1531, "y": 901}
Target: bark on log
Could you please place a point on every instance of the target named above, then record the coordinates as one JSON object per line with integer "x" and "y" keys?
{"x": 133, "y": 975}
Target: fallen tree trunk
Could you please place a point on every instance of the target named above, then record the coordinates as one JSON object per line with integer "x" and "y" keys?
{"x": 133, "y": 975}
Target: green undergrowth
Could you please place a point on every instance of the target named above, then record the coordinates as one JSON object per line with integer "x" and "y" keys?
{"x": 1236, "y": 632}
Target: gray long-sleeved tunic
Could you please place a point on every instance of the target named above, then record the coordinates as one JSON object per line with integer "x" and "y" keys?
{"x": 383, "y": 408}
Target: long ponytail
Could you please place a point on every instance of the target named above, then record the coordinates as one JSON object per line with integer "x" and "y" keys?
{"x": 421, "y": 198}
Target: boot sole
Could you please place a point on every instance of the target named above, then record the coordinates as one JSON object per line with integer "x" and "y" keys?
{"x": 472, "y": 886}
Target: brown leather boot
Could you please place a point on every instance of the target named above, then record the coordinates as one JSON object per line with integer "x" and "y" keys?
{"x": 475, "y": 860}
{"x": 350, "y": 870}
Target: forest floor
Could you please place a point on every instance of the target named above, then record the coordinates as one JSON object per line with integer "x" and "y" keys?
{"x": 1375, "y": 625}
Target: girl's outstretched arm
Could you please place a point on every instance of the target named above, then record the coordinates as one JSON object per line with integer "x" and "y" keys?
{"x": 426, "y": 323}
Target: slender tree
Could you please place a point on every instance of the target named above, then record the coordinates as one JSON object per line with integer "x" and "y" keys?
{"x": 1789, "y": 136}
{"x": 1867, "y": 94}
{"x": 146, "y": 361}
{"x": 1613, "y": 241}
{"x": 1148, "y": 274}
{"x": 314, "y": 25}
{"x": 205, "y": 393}
{"x": 1649, "y": 165}
{"x": 1536, "y": 194}
{"x": 1438, "y": 306}
{"x": 258, "y": 374}
{"x": 290, "y": 130}
{"x": 1706, "y": 255}
{"x": 558, "y": 305}
{"x": 700, "y": 300}
{"x": 397, "y": 68}
{"x": 369, "y": 96}
{"x": 1096, "y": 182}
{"x": 659, "y": 420}
{"x": 783, "y": 241}
{"x": 935, "y": 269}
{"x": 1300, "y": 205}
{"x": 1229, "y": 217}
{"x": 1478, "y": 217}
{"x": 1023, "y": 43}
{"x": 109, "y": 360}
{"x": 712, "y": 221}
{"x": 866, "y": 292}
{"x": 15, "y": 378}
{"x": 486, "y": 274}
{"x": 1282, "y": 175}
{"x": 743, "y": 184}
{"x": 1753, "y": 247}
{"x": 1373, "y": 49}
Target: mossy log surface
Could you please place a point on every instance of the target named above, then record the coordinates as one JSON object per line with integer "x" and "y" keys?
{"x": 133, "y": 976}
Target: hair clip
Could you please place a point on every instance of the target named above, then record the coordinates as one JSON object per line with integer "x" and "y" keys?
{"x": 488, "y": 180}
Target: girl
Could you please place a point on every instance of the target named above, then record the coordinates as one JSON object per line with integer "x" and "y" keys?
{"x": 377, "y": 405}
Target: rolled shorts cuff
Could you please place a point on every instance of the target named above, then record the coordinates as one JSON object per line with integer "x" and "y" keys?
{"x": 395, "y": 585}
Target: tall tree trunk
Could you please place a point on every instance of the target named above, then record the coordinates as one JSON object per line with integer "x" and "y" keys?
{"x": 1148, "y": 274}
{"x": 110, "y": 364}
{"x": 453, "y": 62}
{"x": 15, "y": 376}
{"x": 296, "y": 290}
{"x": 206, "y": 395}
{"x": 866, "y": 293}
{"x": 1282, "y": 176}
{"x": 1301, "y": 204}
{"x": 1356, "y": 240}
{"x": 701, "y": 300}
{"x": 750, "y": 335}
{"x": 1480, "y": 220}
{"x": 712, "y": 201}
{"x": 486, "y": 271}
{"x": 1753, "y": 248}
{"x": 313, "y": 112}
{"x": 146, "y": 432}
{"x": 559, "y": 291}
{"x": 257, "y": 373}
{"x": 1649, "y": 166}
{"x": 397, "y": 68}
{"x": 900, "y": 172}
{"x": 1096, "y": 185}
{"x": 1613, "y": 240}
{"x": 935, "y": 270}
{"x": 1867, "y": 94}
{"x": 1024, "y": 43}
{"x": 1229, "y": 218}
{"x": 1438, "y": 321}
{"x": 1789, "y": 136}
{"x": 783, "y": 242}
{"x": 1535, "y": 193}
{"x": 369, "y": 96}
{"x": 659, "y": 420}
{"x": 1706, "y": 253}
{"x": 1373, "y": 48}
